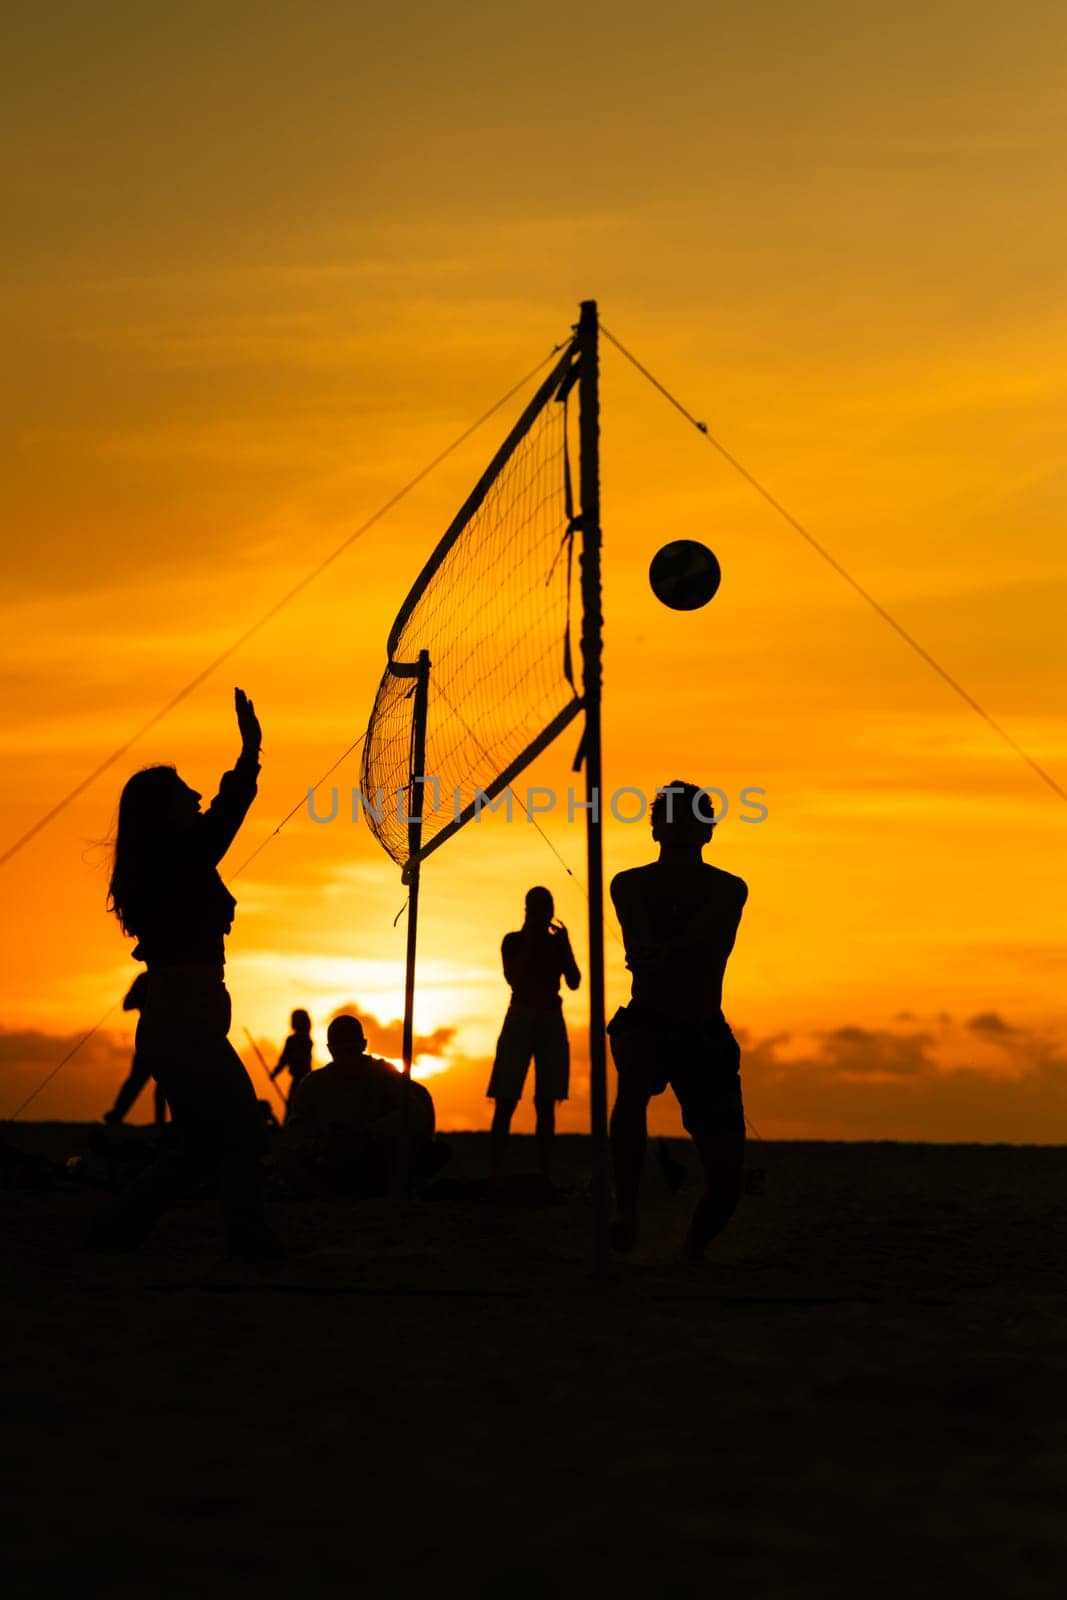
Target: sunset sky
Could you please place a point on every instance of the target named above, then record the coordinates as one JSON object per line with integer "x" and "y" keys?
{"x": 263, "y": 263}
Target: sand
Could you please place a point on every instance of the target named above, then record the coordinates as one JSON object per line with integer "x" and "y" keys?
{"x": 861, "y": 1393}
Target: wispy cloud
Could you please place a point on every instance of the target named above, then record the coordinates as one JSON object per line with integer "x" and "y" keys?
{"x": 984, "y": 1080}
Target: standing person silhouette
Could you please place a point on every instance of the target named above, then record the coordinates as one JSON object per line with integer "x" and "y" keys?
{"x": 296, "y": 1054}
{"x": 679, "y": 918}
{"x": 535, "y": 958}
{"x": 167, "y": 893}
{"x": 138, "y": 1074}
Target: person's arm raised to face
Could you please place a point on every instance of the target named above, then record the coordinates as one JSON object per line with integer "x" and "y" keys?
{"x": 224, "y": 816}
{"x": 569, "y": 967}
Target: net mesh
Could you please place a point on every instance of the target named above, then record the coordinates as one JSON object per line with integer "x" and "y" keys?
{"x": 492, "y": 609}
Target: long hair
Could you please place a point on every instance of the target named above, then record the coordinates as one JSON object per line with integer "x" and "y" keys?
{"x": 141, "y": 838}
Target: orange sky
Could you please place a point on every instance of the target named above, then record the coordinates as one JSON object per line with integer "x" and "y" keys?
{"x": 259, "y": 269}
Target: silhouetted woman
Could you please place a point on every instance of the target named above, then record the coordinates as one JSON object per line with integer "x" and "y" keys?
{"x": 167, "y": 893}
{"x": 296, "y": 1054}
{"x": 138, "y": 1074}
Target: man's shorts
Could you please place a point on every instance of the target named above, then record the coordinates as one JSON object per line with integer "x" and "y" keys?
{"x": 531, "y": 1032}
{"x": 700, "y": 1060}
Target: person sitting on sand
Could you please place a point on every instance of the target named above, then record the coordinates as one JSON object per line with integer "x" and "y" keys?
{"x": 535, "y": 958}
{"x": 296, "y": 1054}
{"x": 139, "y": 1072}
{"x": 347, "y": 1121}
{"x": 679, "y": 918}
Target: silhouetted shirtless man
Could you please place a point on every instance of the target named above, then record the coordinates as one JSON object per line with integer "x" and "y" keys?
{"x": 679, "y": 919}
{"x": 535, "y": 958}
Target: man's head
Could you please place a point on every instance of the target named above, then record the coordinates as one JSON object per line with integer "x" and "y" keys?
{"x": 682, "y": 818}
{"x": 345, "y": 1039}
{"x": 540, "y": 908}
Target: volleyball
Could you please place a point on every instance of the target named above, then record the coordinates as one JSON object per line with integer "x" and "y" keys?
{"x": 684, "y": 575}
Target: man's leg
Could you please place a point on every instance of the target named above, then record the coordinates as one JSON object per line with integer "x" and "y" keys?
{"x": 722, "y": 1156}
{"x": 546, "y": 1128}
{"x": 503, "y": 1112}
{"x": 552, "y": 1062}
{"x": 511, "y": 1063}
{"x": 629, "y": 1132}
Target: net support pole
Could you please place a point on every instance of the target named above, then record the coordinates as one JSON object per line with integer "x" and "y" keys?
{"x": 414, "y": 822}
{"x": 592, "y": 650}
{"x": 416, "y": 791}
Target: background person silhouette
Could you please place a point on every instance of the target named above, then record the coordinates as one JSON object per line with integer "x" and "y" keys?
{"x": 535, "y": 959}
{"x": 167, "y": 893}
{"x": 679, "y": 918}
{"x": 138, "y": 1074}
{"x": 296, "y": 1054}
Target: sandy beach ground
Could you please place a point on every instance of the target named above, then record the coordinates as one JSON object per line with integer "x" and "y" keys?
{"x": 861, "y": 1393}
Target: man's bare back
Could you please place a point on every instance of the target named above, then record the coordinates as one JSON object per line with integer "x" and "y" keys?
{"x": 679, "y": 921}
{"x": 679, "y": 918}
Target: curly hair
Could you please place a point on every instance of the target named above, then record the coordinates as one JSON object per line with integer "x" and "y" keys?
{"x": 683, "y": 802}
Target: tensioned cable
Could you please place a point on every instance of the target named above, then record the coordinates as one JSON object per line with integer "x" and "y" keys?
{"x": 289, "y": 815}
{"x": 269, "y": 615}
{"x": 842, "y": 572}
{"x": 73, "y": 1051}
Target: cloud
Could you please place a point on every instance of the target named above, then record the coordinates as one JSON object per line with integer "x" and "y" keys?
{"x": 83, "y": 1087}
{"x": 865, "y": 1051}
{"x": 991, "y": 1022}
{"x": 857, "y": 1082}
{"x": 387, "y": 1038}
{"x": 999, "y": 1083}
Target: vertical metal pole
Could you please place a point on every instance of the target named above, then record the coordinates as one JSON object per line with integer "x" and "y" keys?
{"x": 592, "y": 647}
{"x": 415, "y": 797}
{"x": 413, "y": 874}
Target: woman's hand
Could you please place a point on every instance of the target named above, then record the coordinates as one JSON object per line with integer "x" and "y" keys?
{"x": 248, "y": 722}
